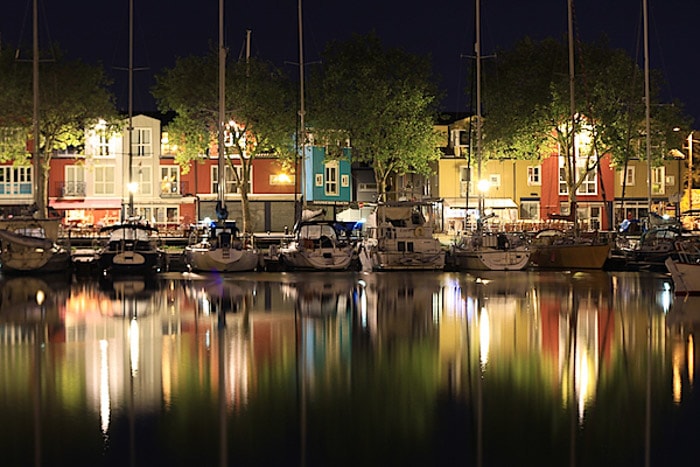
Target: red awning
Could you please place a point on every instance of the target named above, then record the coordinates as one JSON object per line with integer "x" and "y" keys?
{"x": 95, "y": 203}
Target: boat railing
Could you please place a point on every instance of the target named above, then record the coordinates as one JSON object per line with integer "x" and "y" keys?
{"x": 688, "y": 250}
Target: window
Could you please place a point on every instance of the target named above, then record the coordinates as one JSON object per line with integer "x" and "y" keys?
{"x": 170, "y": 180}
{"x": 628, "y": 178}
{"x": 529, "y": 209}
{"x": 141, "y": 145}
{"x": 101, "y": 144}
{"x": 232, "y": 184}
{"x": 589, "y": 186}
{"x": 460, "y": 138}
{"x": 534, "y": 176}
{"x": 75, "y": 181}
{"x": 658, "y": 179}
{"x": 104, "y": 180}
{"x": 16, "y": 180}
{"x": 331, "y": 177}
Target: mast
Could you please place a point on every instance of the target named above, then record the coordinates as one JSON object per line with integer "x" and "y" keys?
{"x": 302, "y": 109}
{"x": 130, "y": 108}
{"x": 221, "y": 211}
{"x": 36, "y": 153}
{"x": 646, "y": 100}
{"x": 571, "y": 156}
{"x": 477, "y": 50}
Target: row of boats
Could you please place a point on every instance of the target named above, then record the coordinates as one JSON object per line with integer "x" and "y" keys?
{"x": 394, "y": 237}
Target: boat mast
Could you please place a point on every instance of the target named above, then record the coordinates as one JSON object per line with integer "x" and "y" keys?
{"x": 221, "y": 209}
{"x": 646, "y": 100}
{"x": 302, "y": 109}
{"x": 477, "y": 50}
{"x": 130, "y": 109}
{"x": 36, "y": 154}
{"x": 571, "y": 151}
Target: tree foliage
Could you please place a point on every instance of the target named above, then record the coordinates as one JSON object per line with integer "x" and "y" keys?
{"x": 258, "y": 99}
{"x": 528, "y": 113}
{"x": 384, "y": 101}
{"x": 73, "y": 96}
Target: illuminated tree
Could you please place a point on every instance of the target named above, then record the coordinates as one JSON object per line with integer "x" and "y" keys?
{"x": 260, "y": 113}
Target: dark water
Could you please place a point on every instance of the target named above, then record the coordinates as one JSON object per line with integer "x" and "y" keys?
{"x": 519, "y": 368}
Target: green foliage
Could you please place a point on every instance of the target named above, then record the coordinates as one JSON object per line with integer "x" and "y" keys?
{"x": 258, "y": 99}
{"x": 528, "y": 112}
{"x": 384, "y": 99}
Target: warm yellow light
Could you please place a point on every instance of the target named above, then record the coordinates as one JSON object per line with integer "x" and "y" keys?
{"x": 284, "y": 178}
{"x": 133, "y": 187}
{"x": 483, "y": 186}
{"x": 40, "y": 297}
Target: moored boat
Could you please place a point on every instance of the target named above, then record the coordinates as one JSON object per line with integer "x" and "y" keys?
{"x": 555, "y": 249}
{"x": 397, "y": 237}
{"x": 485, "y": 251}
{"x": 319, "y": 245}
{"x": 29, "y": 246}
{"x": 218, "y": 248}
{"x": 685, "y": 268}
{"x": 131, "y": 248}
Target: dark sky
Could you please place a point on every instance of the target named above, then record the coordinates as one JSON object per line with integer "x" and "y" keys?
{"x": 98, "y": 30}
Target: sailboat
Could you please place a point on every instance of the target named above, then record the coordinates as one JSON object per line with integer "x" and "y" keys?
{"x": 480, "y": 250}
{"x": 218, "y": 248}
{"x": 28, "y": 244}
{"x": 556, "y": 249}
{"x": 132, "y": 246}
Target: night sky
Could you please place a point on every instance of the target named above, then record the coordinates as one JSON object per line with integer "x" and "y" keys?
{"x": 98, "y": 31}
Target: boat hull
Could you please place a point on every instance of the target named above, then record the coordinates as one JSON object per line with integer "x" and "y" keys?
{"x": 323, "y": 259}
{"x": 388, "y": 260}
{"x": 35, "y": 261}
{"x": 221, "y": 259}
{"x": 28, "y": 247}
{"x": 487, "y": 259}
{"x": 129, "y": 262}
{"x": 570, "y": 256}
{"x": 685, "y": 276}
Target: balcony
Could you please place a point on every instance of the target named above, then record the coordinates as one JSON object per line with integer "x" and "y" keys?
{"x": 72, "y": 189}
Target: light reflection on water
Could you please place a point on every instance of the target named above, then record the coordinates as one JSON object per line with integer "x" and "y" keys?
{"x": 347, "y": 368}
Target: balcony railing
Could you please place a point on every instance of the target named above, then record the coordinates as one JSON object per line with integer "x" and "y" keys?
{"x": 72, "y": 189}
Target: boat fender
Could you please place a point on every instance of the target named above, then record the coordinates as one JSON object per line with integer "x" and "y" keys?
{"x": 418, "y": 232}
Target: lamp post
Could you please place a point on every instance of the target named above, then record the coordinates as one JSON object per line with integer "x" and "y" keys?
{"x": 132, "y": 187}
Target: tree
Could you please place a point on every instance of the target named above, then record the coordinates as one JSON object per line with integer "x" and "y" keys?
{"x": 259, "y": 113}
{"x": 528, "y": 112}
{"x": 383, "y": 100}
{"x": 73, "y": 97}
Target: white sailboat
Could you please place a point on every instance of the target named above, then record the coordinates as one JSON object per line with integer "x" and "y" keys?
{"x": 218, "y": 248}
{"x": 29, "y": 244}
{"x": 131, "y": 246}
{"x": 317, "y": 244}
{"x": 480, "y": 250}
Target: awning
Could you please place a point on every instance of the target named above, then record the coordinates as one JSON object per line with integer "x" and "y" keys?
{"x": 95, "y": 203}
{"x": 489, "y": 203}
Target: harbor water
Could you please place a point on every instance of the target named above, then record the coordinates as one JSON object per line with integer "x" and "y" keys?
{"x": 349, "y": 368}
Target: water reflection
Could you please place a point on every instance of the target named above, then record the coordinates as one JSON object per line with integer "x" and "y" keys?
{"x": 346, "y": 368}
